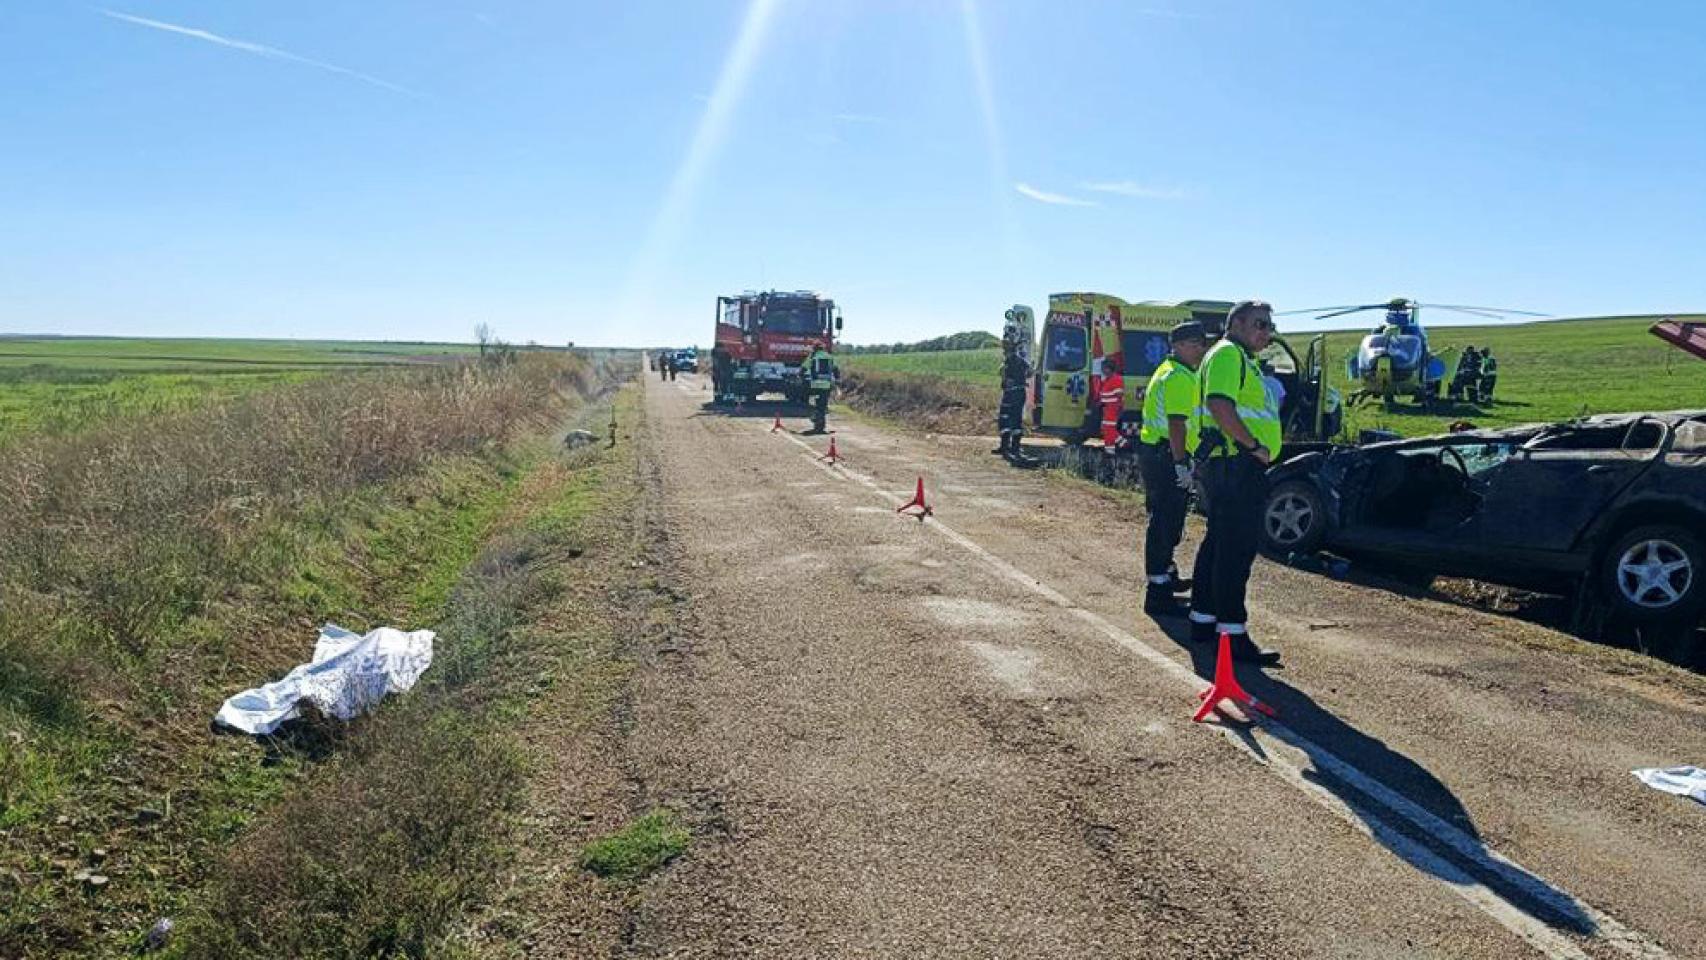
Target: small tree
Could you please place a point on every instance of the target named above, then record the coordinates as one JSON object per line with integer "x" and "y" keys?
{"x": 483, "y": 336}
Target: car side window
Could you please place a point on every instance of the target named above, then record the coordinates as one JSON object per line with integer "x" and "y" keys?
{"x": 1483, "y": 458}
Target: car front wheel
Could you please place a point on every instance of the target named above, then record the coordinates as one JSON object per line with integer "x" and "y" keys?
{"x": 1293, "y": 520}
{"x": 1655, "y": 574}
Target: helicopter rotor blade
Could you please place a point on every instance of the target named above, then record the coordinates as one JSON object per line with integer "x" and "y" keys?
{"x": 1291, "y": 313}
{"x": 1486, "y": 311}
{"x": 1345, "y": 311}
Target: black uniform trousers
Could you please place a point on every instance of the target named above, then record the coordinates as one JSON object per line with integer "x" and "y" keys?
{"x": 1235, "y": 488}
{"x": 1166, "y": 504}
{"x": 1011, "y": 416}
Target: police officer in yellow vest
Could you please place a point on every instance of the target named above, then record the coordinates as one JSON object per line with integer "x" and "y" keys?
{"x": 1241, "y": 427}
{"x": 1171, "y": 424}
{"x": 819, "y": 373}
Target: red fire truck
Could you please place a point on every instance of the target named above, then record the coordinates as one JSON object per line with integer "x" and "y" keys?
{"x": 762, "y": 339}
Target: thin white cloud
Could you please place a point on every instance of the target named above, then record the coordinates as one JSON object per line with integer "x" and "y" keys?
{"x": 1130, "y": 188}
{"x": 1058, "y": 199}
{"x": 258, "y": 49}
{"x": 858, "y": 118}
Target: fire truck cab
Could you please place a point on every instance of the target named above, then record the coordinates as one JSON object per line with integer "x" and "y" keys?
{"x": 762, "y": 340}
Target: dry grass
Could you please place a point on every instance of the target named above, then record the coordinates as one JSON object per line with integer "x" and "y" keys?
{"x": 147, "y": 565}
{"x": 934, "y": 404}
{"x": 110, "y": 538}
{"x": 390, "y": 844}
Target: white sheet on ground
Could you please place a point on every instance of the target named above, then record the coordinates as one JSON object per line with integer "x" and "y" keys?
{"x": 348, "y": 675}
{"x": 1683, "y": 781}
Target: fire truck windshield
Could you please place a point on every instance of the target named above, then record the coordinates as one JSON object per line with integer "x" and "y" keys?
{"x": 796, "y": 317}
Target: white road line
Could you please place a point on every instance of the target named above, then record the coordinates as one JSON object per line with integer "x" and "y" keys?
{"x": 1290, "y": 754}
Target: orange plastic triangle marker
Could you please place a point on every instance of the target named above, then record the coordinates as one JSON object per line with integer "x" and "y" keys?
{"x": 1227, "y": 687}
{"x": 918, "y": 501}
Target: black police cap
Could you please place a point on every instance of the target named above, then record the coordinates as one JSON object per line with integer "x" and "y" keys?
{"x": 1189, "y": 330}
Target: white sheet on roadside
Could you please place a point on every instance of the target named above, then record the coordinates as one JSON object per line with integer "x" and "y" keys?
{"x": 348, "y": 675}
{"x": 1683, "y": 781}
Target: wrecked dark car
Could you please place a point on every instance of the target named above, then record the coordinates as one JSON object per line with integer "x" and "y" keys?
{"x": 1609, "y": 509}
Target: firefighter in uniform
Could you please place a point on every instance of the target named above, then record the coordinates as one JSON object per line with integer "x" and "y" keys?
{"x": 1467, "y": 375}
{"x": 1489, "y": 377}
{"x": 819, "y": 372}
{"x": 1112, "y": 400}
{"x": 1241, "y": 431}
{"x": 1170, "y": 434}
{"x": 1010, "y": 420}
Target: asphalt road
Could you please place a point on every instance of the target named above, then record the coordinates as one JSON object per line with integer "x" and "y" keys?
{"x": 961, "y": 737}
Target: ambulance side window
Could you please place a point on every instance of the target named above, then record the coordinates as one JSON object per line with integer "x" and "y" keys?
{"x": 1143, "y": 351}
{"x": 1064, "y": 350}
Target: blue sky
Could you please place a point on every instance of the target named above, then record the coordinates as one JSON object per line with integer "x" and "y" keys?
{"x": 598, "y": 172}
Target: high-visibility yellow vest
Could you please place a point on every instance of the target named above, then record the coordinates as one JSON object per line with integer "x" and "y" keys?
{"x": 1172, "y": 392}
{"x": 1229, "y": 371}
{"x": 820, "y": 370}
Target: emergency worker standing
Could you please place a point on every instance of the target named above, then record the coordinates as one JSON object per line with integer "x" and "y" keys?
{"x": 1112, "y": 399}
{"x": 1489, "y": 377}
{"x": 1241, "y": 428}
{"x": 819, "y": 373}
{"x": 1171, "y": 422}
{"x": 1010, "y": 420}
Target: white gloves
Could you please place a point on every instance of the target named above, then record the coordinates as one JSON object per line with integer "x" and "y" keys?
{"x": 1183, "y": 474}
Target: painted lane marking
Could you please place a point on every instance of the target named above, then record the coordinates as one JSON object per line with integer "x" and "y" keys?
{"x": 1290, "y": 756}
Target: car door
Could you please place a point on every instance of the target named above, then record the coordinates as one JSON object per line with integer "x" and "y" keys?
{"x": 1541, "y": 499}
{"x": 1063, "y": 382}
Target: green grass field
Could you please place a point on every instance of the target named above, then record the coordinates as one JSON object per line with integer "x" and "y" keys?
{"x": 1551, "y": 370}
{"x": 59, "y": 384}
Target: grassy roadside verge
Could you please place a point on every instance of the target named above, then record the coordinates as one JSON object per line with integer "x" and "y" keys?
{"x": 396, "y": 844}
{"x": 361, "y": 509}
{"x": 922, "y": 401}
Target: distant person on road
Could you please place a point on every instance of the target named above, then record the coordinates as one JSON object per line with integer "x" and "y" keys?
{"x": 1245, "y": 439}
{"x": 1010, "y": 420}
{"x": 1171, "y": 424}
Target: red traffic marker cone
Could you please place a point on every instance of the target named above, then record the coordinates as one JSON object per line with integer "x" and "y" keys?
{"x": 777, "y": 426}
{"x": 918, "y": 501}
{"x": 1227, "y": 687}
{"x": 832, "y": 457}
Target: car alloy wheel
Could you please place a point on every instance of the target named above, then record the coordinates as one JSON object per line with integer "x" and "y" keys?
{"x": 1654, "y": 574}
{"x": 1290, "y": 517}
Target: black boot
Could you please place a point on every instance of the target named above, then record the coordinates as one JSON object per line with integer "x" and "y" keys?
{"x": 1204, "y": 632}
{"x": 1177, "y": 583}
{"x": 1244, "y": 650}
{"x": 1158, "y": 601}
{"x": 1001, "y": 449}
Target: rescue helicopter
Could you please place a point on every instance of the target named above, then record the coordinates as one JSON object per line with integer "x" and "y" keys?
{"x": 1394, "y": 360}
